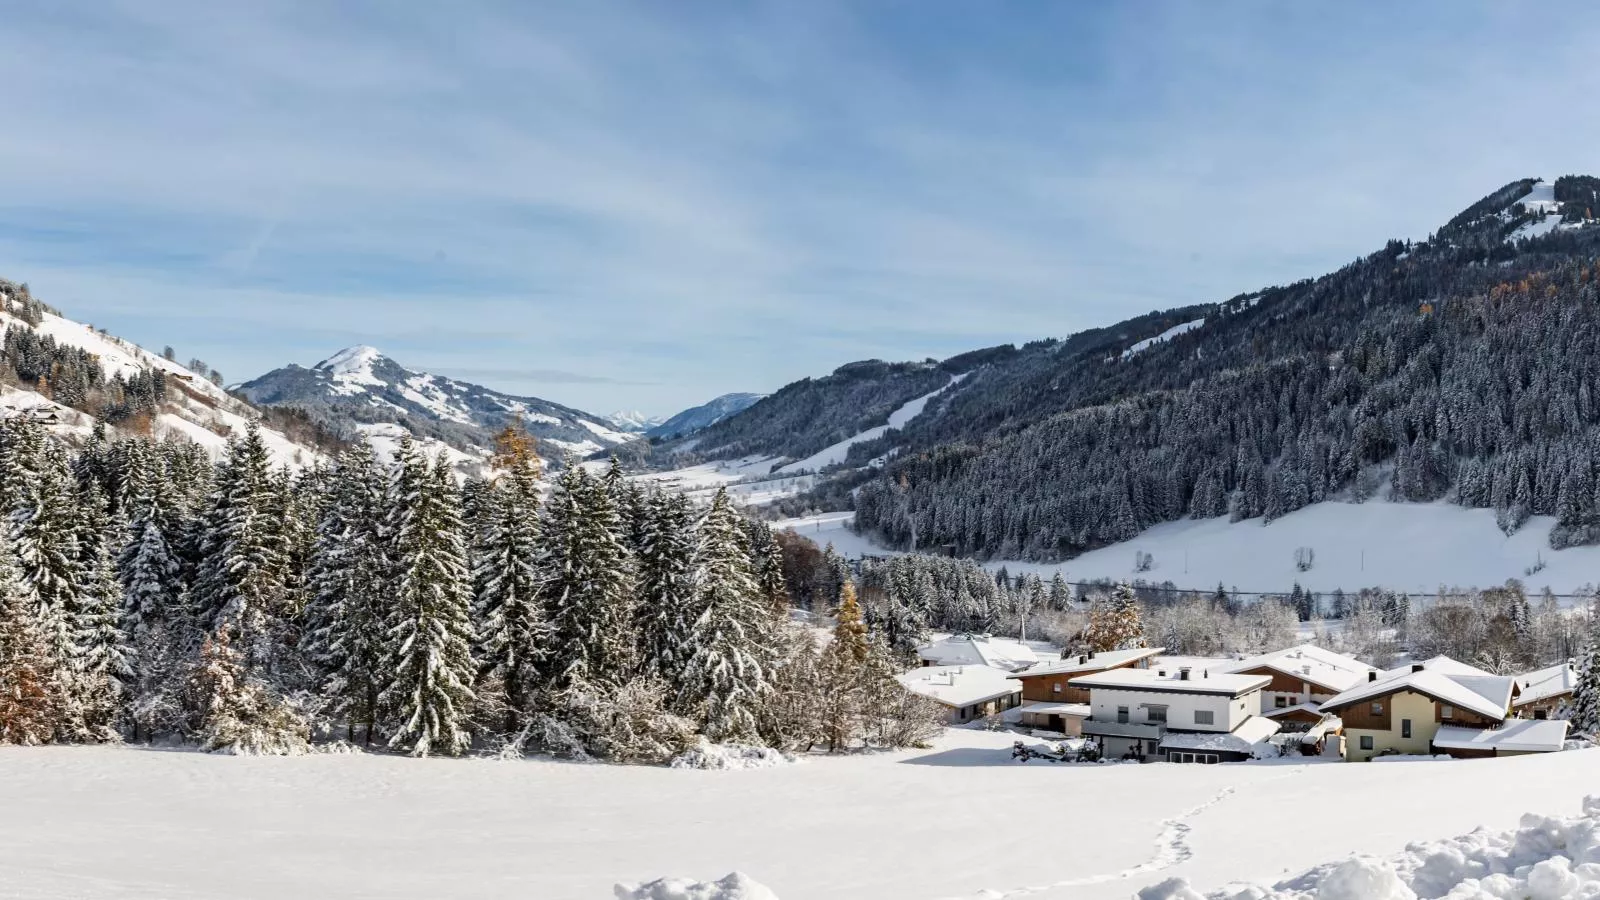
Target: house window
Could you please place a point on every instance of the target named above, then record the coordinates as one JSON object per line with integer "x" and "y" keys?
{"x": 1366, "y": 742}
{"x": 1377, "y": 708}
{"x": 1203, "y": 717}
{"x": 1541, "y": 714}
{"x": 1405, "y": 728}
{"x": 1447, "y": 712}
{"x": 1122, "y": 715}
{"x": 1055, "y": 688}
{"x": 1157, "y": 714}
{"x": 1282, "y": 702}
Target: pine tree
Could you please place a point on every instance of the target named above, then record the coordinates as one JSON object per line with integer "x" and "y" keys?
{"x": 587, "y": 581}
{"x": 31, "y": 704}
{"x": 767, "y": 565}
{"x": 668, "y": 603}
{"x": 1585, "y": 715}
{"x": 105, "y": 664}
{"x": 430, "y": 690}
{"x": 725, "y": 674}
{"x": 348, "y": 580}
{"x": 239, "y": 584}
{"x": 510, "y": 621}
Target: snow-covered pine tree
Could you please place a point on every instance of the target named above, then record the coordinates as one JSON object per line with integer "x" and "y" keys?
{"x": 43, "y": 527}
{"x": 105, "y": 664}
{"x": 587, "y": 583}
{"x": 509, "y": 619}
{"x": 1585, "y": 714}
{"x": 239, "y": 584}
{"x": 730, "y": 645}
{"x": 31, "y": 704}
{"x": 430, "y": 690}
{"x": 766, "y": 562}
{"x": 345, "y": 638}
{"x": 668, "y": 603}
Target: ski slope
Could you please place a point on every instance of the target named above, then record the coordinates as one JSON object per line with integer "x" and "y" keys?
{"x": 836, "y": 453}
{"x": 953, "y": 821}
{"x": 1167, "y": 335}
{"x": 1414, "y": 547}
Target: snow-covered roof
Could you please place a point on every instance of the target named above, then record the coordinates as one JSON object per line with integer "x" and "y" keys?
{"x": 1172, "y": 682}
{"x": 1525, "y": 735}
{"x": 1441, "y": 664}
{"x": 1323, "y": 668}
{"x": 978, "y": 650}
{"x": 1098, "y": 662}
{"x": 959, "y": 685}
{"x": 1543, "y": 684}
{"x": 1243, "y": 739}
{"x": 1484, "y": 694}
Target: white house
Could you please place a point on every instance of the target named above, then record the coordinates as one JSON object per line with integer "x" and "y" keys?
{"x": 1545, "y": 693}
{"x": 968, "y": 692}
{"x": 978, "y": 650}
{"x": 1176, "y": 714}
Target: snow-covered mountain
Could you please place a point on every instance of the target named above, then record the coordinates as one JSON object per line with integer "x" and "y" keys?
{"x": 186, "y": 405}
{"x": 703, "y": 416}
{"x": 361, "y": 389}
{"x": 633, "y": 421}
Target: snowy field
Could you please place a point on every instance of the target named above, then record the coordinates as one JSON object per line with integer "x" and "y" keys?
{"x": 1414, "y": 547}
{"x": 957, "y": 821}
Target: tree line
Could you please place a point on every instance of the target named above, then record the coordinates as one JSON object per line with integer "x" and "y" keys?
{"x": 148, "y": 594}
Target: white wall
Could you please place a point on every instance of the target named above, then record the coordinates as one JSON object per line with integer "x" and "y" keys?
{"x": 1226, "y": 712}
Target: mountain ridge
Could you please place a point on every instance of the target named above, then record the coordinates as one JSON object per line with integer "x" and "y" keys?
{"x": 364, "y": 391}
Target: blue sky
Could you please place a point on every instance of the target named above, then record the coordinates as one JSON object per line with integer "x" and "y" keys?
{"x": 645, "y": 205}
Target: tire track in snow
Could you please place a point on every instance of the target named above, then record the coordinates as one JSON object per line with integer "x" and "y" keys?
{"x": 1172, "y": 848}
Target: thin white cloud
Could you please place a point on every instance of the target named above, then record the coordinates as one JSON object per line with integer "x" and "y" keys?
{"x": 712, "y": 199}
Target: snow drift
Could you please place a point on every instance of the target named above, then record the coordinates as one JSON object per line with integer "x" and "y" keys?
{"x": 737, "y": 886}
{"x": 1545, "y": 858}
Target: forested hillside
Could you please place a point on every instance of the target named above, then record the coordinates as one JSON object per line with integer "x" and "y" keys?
{"x": 1463, "y": 367}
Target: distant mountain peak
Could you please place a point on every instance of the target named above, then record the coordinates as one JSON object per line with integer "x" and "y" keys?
{"x": 359, "y": 389}
{"x": 351, "y": 359}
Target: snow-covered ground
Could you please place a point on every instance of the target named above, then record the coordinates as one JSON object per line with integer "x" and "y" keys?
{"x": 960, "y": 820}
{"x": 1414, "y": 547}
{"x": 208, "y": 417}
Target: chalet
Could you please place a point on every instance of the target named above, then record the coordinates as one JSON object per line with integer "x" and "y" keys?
{"x": 1050, "y": 700}
{"x": 1303, "y": 678}
{"x": 978, "y": 650}
{"x": 1546, "y": 693}
{"x": 1177, "y": 715}
{"x": 967, "y": 692}
{"x": 1428, "y": 707}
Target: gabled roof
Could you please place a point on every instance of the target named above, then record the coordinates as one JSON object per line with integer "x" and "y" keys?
{"x": 1524, "y": 735}
{"x": 1542, "y": 684}
{"x": 1324, "y": 668}
{"x": 1172, "y": 682}
{"x": 1098, "y": 662}
{"x": 959, "y": 685}
{"x": 1484, "y": 694}
{"x": 978, "y": 650}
